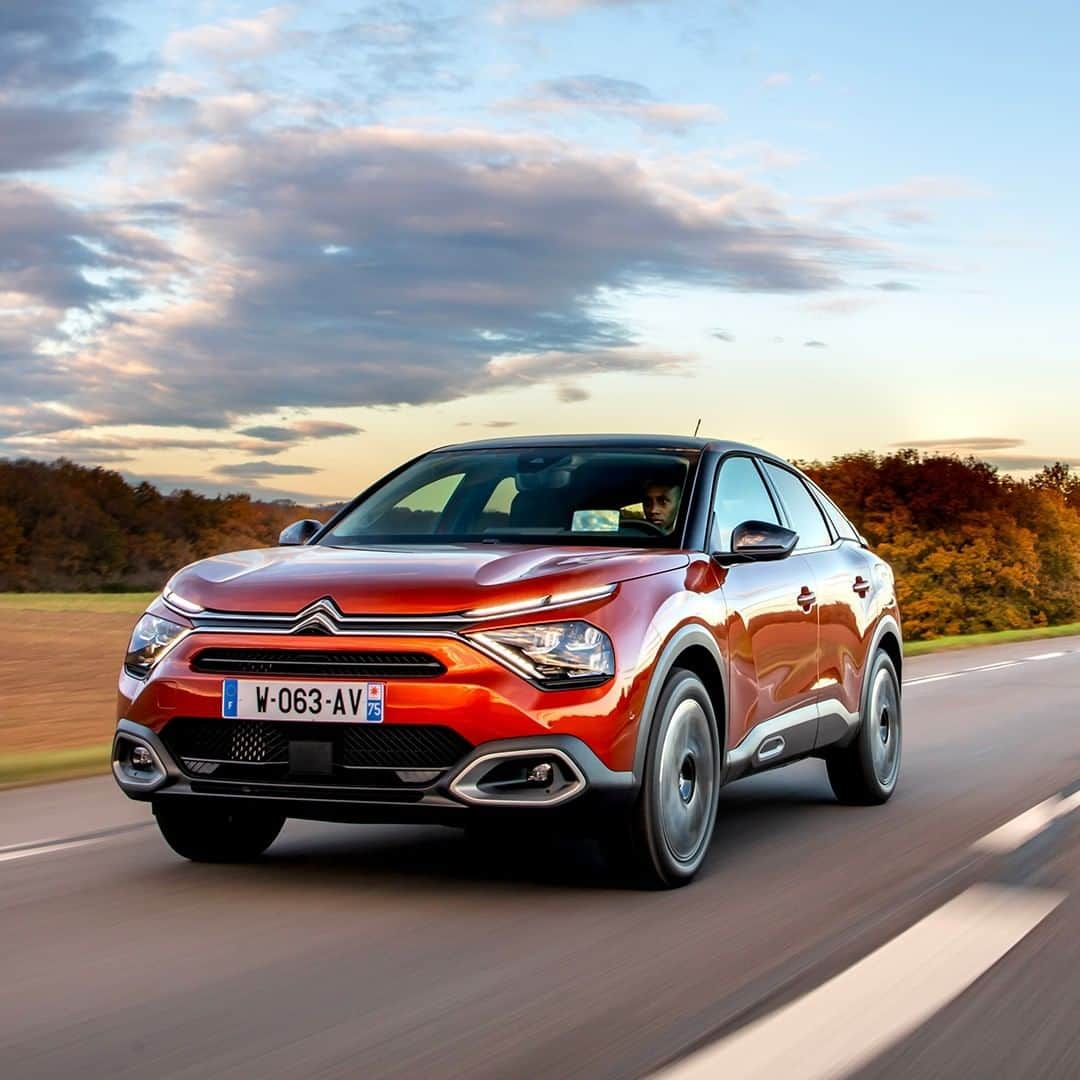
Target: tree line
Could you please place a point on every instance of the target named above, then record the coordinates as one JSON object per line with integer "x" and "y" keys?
{"x": 973, "y": 549}
{"x": 65, "y": 527}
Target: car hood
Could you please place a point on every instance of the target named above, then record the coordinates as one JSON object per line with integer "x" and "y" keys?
{"x": 422, "y": 580}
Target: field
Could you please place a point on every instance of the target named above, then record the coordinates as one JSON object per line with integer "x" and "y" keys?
{"x": 58, "y": 681}
{"x": 59, "y": 667}
{"x": 58, "y": 677}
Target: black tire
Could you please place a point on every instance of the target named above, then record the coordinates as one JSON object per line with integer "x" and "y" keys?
{"x": 673, "y": 818}
{"x": 216, "y": 834}
{"x": 865, "y": 772}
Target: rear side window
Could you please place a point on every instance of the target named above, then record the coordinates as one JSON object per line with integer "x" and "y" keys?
{"x": 741, "y": 496}
{"x": 805, "y": 516}
{"x": 841, "y": 526}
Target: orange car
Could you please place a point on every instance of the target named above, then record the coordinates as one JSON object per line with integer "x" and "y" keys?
{"x": 595, "y": 632}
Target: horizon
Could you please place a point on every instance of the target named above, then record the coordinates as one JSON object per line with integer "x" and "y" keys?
{"x": 223, "y": 490}
{"x": 279, "y": 250}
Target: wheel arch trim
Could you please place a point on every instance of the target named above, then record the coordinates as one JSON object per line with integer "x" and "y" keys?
{"x": 688, "y": 636}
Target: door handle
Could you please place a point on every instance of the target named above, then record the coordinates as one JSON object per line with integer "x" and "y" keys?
{"x": 806, "y": 599}
{"x": 861, "y": 586}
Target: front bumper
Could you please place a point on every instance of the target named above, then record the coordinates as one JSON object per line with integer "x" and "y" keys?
{"x": 473, "y": 787}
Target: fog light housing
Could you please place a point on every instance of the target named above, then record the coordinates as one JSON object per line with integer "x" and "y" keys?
{"x": 135, "y": 765}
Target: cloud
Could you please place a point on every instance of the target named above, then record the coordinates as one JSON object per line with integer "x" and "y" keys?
{"x": 54, "y": 45}
{"x": 324, "y": 429}
{"x": 258, "y": 469}
{"x": 777, "y": 79}
{"x": 1028, "y": 462}
{"x": 974, "y": 443}
{"x": 500, "y": 423}
{"x": 508, "y": 10}
{"x": 232, "y": 39}
{"x": 723, "y": 335}
{"x": 48, "y": 136}
{"x": 61, "y": 94}
{"x": 843, "y": 305}
{"x": 300, "y": 430}
{"x": 612, "y": 97}
{"x": 814, "y": 345}
{"x": 896, "y": 286}
{"x": 81, "y": 445}
{"x": 571, "y": 394}
{"x": 543, "y": 367}
{"x": 60, "y": 270}
{"x": 404, "y": 46}
{"x": 455, "y": 254}
{"x": 905, "y": 203}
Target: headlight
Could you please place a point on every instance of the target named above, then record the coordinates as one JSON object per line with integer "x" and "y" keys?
{"x": 556, "y": 655}
{"x": 151, "y": 639}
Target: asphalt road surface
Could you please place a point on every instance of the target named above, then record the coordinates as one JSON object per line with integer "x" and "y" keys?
{"x": 938, "y": 935}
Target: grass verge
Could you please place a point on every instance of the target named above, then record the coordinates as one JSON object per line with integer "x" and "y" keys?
{"x": 39, "y": 766}
{"x": 992, "y": 637}
{"x": 108, "y": 603}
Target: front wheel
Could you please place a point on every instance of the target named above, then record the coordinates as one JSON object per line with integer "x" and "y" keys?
{"x": 675, "y": 813}
{"x": 214, "y": 834}
{"x": 865, "y": 773}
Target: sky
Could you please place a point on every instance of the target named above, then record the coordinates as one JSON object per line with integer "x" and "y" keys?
{"x": 281, "y": 249}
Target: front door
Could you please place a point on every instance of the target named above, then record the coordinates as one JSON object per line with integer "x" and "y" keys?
{"x": 771, "y": 629}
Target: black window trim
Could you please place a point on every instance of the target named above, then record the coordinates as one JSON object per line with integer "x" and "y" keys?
{"x": 824, "y": 500}
{"x": 807, "y": 483}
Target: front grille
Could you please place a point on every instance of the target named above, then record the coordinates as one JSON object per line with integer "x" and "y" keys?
{"x": 369, "y": 755}
{"x": 336, "y": 662}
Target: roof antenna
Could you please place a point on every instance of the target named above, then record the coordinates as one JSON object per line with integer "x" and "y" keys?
{"x": 697, "y": 427}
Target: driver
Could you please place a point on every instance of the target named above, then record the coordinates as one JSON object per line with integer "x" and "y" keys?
{"x": 661, "y": 503}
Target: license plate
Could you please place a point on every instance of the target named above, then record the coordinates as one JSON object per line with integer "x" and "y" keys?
{"x": 351, "y": 702}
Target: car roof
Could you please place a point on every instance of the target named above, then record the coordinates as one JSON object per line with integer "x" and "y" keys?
{"x": 621, "y": 442}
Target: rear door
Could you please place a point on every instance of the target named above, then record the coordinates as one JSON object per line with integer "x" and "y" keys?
{"x": 771, "y": 627}
{"x": 847, "y": 596}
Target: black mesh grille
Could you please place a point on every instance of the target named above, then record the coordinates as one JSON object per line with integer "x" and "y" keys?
{"x": 366, "y": 754}
{"x": 412, "y": 746}
{"x": 326, "y": 662}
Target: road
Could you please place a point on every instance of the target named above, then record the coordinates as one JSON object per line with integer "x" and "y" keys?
{"x": 407, "y": 952}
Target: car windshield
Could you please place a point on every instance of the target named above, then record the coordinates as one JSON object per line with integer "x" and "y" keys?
{"x": 550, "y": 495}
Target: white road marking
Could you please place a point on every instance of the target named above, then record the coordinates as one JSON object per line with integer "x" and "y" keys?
{"x": 1022, "y": 828}
{"x": 933, "y": 678}
{"x": 48, "y": 848}
{"x": 985, "y": 667}
{"x": 847, "y": 1021}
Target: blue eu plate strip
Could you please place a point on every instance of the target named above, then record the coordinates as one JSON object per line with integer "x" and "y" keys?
{"x": 229, "y": 695}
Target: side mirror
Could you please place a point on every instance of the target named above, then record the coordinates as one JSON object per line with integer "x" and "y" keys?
{"x": 299, "y": 532}
{"x": 762, "y": 541}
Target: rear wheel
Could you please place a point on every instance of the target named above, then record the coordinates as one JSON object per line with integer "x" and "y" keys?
{"x": 215, "y": 834}
{"x": 865, "y": 773}
{"x": 675, "y": 812}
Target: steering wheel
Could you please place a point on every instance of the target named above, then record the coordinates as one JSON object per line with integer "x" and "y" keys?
{"x": 641, "y": 525}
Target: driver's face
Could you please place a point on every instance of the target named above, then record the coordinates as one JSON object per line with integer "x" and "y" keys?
{"x": 661, "y": 505}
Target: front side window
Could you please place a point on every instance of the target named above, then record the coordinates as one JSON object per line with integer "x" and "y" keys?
{"x": 603, "y": 496}
{"x": 805, "y": 517}
{"x": 741, "y": 496}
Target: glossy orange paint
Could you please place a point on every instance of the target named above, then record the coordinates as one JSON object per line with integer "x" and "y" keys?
{"x": 777, "y": 655}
